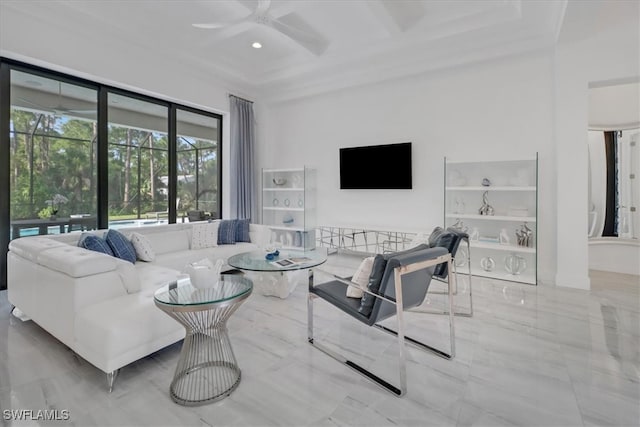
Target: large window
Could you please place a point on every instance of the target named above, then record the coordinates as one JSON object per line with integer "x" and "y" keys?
{"x": 52, "y": 138}
{"x": 198, "y": 169}
{"x": 138, "y": 161}
{"x": 76, "y": 154}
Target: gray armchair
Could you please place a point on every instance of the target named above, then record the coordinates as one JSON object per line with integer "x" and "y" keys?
{"x": 403, "y": 279}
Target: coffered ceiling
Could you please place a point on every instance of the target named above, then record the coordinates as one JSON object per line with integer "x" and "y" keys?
{"x": 308, "y": 46}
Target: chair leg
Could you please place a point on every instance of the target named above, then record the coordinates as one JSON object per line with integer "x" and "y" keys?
{"x": 423, "y": 346}
{"x": 455, "y": 292}
{"x": 351, "y": 364}
{"x": 111, "y": 378}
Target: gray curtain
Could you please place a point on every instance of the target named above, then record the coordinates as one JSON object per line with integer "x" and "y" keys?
{"x": 242, "y": 161}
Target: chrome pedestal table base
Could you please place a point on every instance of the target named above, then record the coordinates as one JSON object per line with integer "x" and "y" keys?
{"x": 207, "y": 370}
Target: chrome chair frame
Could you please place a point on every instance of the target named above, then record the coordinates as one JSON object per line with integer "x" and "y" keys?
{"x": 455, "y": 292}
{"x": 400, "y": 333}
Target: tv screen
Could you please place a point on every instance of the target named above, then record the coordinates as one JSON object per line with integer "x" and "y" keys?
{"x": 381, "y": 167}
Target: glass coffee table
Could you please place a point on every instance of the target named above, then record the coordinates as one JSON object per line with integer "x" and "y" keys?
{"x": 278, "y": 284}
{"x": 207, "y": 369}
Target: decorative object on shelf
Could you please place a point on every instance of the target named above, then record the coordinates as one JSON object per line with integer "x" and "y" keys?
{"x": 460, "y": 206}
{"x": 504, "y": 237}
{"x": 486, "y": 208}
{"x": 518, "y": 211}
{"x": 297, "y": 240}
{"x": 279, "y": 181}
{"x": 287, "y": 219}
{"x": 289, "y": 239}
{"x": 300, "y": 202}
{"x": 459, "y": 225}
{"x": 525, "y": 236}
{"x": 515, "y": 264}
{"x": 461, "y": 256}
{"x": 486, "y": 182}
{"x": 287, "y": 202}
{"x": 487, "y": 263}
{"x": 275, "y": 202}
{"x": 475, "y": 234}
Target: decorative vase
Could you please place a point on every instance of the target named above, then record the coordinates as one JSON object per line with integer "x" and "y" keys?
{"x": 515, "y": 264}
{"x": 504, "y": 237}
{"x": 487, "y": 263}
{"x": 204, "y": 274}
{"x": 461, "y": 257}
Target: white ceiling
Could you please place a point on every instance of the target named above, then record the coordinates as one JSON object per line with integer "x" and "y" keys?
{"x": 347, "y": 42}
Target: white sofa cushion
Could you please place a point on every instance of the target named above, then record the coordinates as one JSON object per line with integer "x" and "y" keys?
{"x": 30, "y": 248}
{"x": 119, "y": 325}
{"x": 153, "y": 276}
{"x": 204, "y": 235}
{"x": 75, "y": 261}
{"x": 143, "y": 247}
{"x": 169, "y": 241}
{"x": 129, "y": 276}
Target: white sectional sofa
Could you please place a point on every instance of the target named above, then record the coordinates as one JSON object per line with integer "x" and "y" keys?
{"x": 101, "y": 306}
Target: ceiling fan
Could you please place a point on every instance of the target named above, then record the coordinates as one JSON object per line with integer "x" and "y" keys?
{"x": 291, "y": 25}
{"x": 58, "y": 109}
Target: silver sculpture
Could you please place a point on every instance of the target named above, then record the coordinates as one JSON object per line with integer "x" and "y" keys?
{"x": 525, "y": 236}
{"x": 486, "y": 208}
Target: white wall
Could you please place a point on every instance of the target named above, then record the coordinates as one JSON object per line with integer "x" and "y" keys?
{"x": 484, "y": 111}
{"x": 608, "y": 56}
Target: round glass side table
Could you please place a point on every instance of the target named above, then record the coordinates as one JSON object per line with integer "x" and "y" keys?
{"x": 207, "y": 370}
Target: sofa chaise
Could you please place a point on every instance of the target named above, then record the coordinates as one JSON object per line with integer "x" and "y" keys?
{"x": 100, "y": 306}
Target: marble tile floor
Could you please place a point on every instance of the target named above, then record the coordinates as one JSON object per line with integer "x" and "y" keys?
{"x": 535, "y": 356}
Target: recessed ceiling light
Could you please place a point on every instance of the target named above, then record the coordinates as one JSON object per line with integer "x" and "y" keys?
{"x": 256, "y": 45}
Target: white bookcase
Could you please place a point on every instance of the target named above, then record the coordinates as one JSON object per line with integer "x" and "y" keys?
{"x": 512, "y": 194}
{"x": 289, "y": 206}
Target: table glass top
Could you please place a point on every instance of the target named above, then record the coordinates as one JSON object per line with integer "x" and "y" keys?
{"x": 288, "y": 260}
{"x": 183, "y": 292}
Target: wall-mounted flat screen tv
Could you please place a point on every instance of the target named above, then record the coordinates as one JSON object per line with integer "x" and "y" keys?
{"x": 382, "y": 167}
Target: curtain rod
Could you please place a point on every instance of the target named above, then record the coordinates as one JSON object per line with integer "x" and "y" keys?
{"x": 239, "y": 97}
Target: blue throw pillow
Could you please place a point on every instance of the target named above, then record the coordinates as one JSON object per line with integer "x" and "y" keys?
{"x": 95, "y": 243}
{"x": 242, "y": 230}
{"x": 122, "y": 248}
{"x": 227, "y": 231}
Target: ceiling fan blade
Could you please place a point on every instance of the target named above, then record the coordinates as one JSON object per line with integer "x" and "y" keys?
{"x": 210, "y": 26}
{"x": 299, "y": 31}
{"x": 220, "y": 25}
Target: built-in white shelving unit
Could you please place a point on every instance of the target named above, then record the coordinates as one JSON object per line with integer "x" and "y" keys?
{"x": 289, "y": 206}
{"x": 512, "y": 194}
